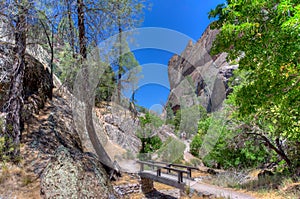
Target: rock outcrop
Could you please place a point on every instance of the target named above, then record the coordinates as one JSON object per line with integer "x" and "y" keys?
{"x": 122, "y": 130}
{"x": 36, "y": 84}
{"x": 116, "y": 131}
{"x": 164, "y": 132}
{"x": 196, "y": 77}
{"x": 75, "y": 175}
{"x": 53, "y": 160}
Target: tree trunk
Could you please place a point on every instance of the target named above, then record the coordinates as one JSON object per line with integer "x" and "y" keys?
{"x": 16, "y": 94}
{"x": 120, "y": 70}
{"x": 71, "y": 28}
{"x": 279, "y": 151}
{"x": 50, "y": 43}
{"x": 81, "y": 29}
{"x": 276, "y": 148}
{"x": 88, "y": 94}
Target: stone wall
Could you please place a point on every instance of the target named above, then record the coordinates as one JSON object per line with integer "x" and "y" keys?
{"x": 146, "y": 185}
{"x": 123, "y": 190}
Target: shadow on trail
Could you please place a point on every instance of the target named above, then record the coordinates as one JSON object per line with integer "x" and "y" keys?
{"x": 157, "y": 194}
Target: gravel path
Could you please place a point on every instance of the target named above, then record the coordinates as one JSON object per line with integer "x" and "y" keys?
{"x": 209, "y": 190}
{"x": 187, "y": 156}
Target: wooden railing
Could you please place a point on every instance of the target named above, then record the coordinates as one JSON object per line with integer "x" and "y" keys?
{"x": 169, "y": 167}
{"x": 188, "y": 168}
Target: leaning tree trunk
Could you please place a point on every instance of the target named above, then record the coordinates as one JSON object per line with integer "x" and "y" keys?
{"x": 88, "y": 95}
{"x": 15, "y": 102}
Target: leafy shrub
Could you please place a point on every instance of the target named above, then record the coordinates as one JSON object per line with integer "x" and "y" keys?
{"x": 230, "y": 151}
{"x": 6, "y": 147}
{"x": 186, "y": 120}
{"x": 195, "y": 162}
{"x": 228, "y": 155}
{"x": 150, "y": 144}
{"x": 106, "y": 86}
{"x": 172, "y": 150}
{"x": 152, "y": 119}
{"x": 196, "y": 145}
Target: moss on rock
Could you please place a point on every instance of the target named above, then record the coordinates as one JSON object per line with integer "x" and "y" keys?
{"x": 75, "y": 175}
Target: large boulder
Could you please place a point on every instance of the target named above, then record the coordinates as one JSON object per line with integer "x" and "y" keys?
{"x": 75, "y": 175}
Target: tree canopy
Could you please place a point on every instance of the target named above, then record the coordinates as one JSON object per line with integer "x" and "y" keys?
{"x": 264, "y": 37}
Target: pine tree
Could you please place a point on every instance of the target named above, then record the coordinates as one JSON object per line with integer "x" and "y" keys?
{"x": 16, "y": 94}
{"x": 127, "y": 16}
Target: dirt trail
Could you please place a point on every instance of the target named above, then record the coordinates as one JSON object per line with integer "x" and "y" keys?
{"x": 187, "y": 156}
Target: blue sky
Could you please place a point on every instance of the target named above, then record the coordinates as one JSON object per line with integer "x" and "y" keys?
{"x": 184, "y": 16}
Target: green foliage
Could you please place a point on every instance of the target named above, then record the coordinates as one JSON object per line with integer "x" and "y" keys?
{"x": 267, "y": 44}
{"x": 203, "y": 125}
{"x": 177, "y": 120}
{"x": 68, "y": 69}
{"x": 230, "y": 150}
{"x": 152, "y": 119}
{"x": 6, "y": 148}
{"x": 68, "y": 66}
{"x": 197, "y": 141}
{"x": 106, "y": 86}
{"x": 196, "y": 145}
{"x": 150, "y": 144}
{"x": 186, "y": 119}
{"x": 149, "y": 122}
{"x": 128, "y": 68}
{"x": 172, "y": 150}
{"x": 169, "y": 115}
{"x": 227, "y": 154}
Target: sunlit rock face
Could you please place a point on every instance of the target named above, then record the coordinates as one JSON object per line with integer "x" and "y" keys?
{"x": 122, "y": 130}
{"x": 75, "y": 175}
{"x": 196, "y": 77}
{"x": 36, "y": 84}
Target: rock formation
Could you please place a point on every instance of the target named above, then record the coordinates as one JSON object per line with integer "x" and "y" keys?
{"x": 122, "y": 131}
{"x": 53, "y": 160}
{"x": 196, "y": 77}
{"x": 75, "y": 175}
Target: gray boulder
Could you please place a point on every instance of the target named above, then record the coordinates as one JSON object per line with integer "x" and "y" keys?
{"x": 75, "y": 175}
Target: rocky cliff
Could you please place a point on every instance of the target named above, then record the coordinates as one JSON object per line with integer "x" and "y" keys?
{"x": 53, "y": 163}
{"x": 196, "y": 77}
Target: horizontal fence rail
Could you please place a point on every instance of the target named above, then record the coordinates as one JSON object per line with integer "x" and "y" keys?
{"x": 169, "y": 167}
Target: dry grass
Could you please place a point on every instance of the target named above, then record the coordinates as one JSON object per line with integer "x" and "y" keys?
{"x": 160, "y": 186}
{"x": 201, "y": 173}
{"x": 274, "y": 187}
{"x": 272, "y": 194}
{"x": 126, "y": 179}
{"x": 16, "y": 182}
